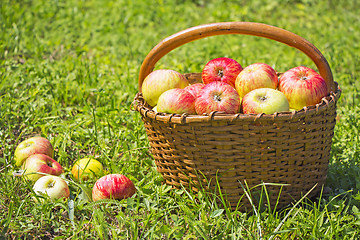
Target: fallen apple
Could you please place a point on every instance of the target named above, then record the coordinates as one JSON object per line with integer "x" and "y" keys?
{"x": 160, "y": 81}
{"x": 53, "y": 186}
{"x": 221, "y": 69}
{"x": 264, "y": 100}
{"x": 176, "y": 100}
{"x": 303, "y": 86}
{"x": 257, "y": 75}
{"x": 87, "y": 168}
{"x": 217, "y": 96}
{"x": 32, "y": 146}
{"x": 113, "y": 186}
{"x": 40, "y": 163}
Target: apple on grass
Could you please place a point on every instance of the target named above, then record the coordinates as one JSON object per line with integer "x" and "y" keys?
{"x": 195, "y": 88}
{"x": 221, "y": 69}
{"x": 32, "y": 146}
{"x": 160, "y": 81}
{"x": 303, "y": 86}
{"x": 256, "y": 75}
{"x": 40, "y": 163}
{"x": 264, "y": 100}
{"x": 176, "y": 100}
{"x": 217, "y": 96}
{"x": 53, "y": 186}
{"x": 113, "y": 186}
{"x": 86, "y": 169}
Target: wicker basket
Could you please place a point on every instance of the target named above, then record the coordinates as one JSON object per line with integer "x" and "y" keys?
{"x": 284, "y": 148}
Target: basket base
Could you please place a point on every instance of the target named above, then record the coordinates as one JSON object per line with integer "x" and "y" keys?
{"x": 236, "y": 194}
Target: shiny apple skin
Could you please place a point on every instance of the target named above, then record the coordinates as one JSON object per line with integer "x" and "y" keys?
{"x": 113, "y": 186}
{"x": 221, "y": 69}
{"x": 217, "y": 96}
{"x": 159, "y": 81}
{"x": 256, "y": 75}
{"x": 302, "y": 87}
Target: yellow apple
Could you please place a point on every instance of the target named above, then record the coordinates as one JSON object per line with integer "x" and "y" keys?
{"x": 32, "y": 146}
{"x": 87, "y": 169}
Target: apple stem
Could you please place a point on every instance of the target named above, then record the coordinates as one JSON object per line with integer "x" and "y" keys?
{"x": 263, "y": 98}
{"x": 51, "y": 184}
{"x": 217, "y": 98}
{"x": 220, "y": 73}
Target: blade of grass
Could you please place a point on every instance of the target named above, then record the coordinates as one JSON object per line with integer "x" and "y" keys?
{"x": 288, "y": 214}
{"x": 248, "y": 195}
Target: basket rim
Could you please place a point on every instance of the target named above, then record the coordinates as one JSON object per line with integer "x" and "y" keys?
{"x": 141, "y": 106}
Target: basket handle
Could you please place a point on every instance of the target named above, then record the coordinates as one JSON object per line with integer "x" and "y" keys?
{"x": 245, "y": 28}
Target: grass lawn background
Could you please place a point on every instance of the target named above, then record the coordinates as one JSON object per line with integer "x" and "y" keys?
{"x": 68, "y": 72}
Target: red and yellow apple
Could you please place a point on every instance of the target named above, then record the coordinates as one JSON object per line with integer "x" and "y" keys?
{"x": 32, "y": 146}
{"x": 221, "y": 69}
{"x": 264, "y": 100}
{"x": 160, "y": 81}
{"x": 302, "y": 87}
{"x": 217, "y": 96}
{"x": 176, "y": 100}
{"x": 195, "y": 88}
{"x": 257, "y": 75}
{"x": 40, "y": 163}
{"x": 87, "y": 168}
{"x": 113, "y": 186}
{"x": 53, "y": 186}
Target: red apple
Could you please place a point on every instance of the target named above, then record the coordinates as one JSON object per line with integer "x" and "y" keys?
{"x": 257, "y": 75}
{"x": 303, "y": 87}
{"x": 40, "y": 163}
{"x": 32, "y": 146}
{"x": 160, "y": 81}
{"x": 221, "y": 69}
{"x": 264, "y": 100}
{"x": 87, "y": 169}
{"x": 113, "y": 186}
{"x": 53, "y": 186}
{"x": 217, "y": 96}
{"x": 195, "y": 88}
{"x": 176, "y": 100}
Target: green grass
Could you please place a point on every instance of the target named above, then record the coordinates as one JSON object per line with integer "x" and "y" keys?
{"x": 68, "y": 72}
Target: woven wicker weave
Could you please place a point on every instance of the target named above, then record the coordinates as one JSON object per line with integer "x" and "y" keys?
{"x": 287, "y": 148}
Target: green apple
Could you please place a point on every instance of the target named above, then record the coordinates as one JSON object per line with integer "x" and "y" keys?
{"x": 53, "y": 186}
{"x": 264, "y": 100}
{"x": 86, "y": 169}
{"x": 160, "y": 81}
{"x": 32, "y": 146}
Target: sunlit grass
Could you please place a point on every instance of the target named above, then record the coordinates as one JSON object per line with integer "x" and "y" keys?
{"x": 68, "y": 72}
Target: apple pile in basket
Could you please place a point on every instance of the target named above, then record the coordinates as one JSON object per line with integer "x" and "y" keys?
{"x": 229, "y": 88}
